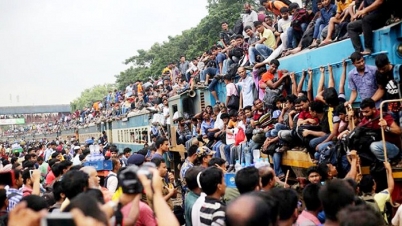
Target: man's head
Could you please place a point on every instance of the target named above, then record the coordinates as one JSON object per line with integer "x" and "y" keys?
{"x": 93, "y": 180}
{"x": 162, "y": 144}
{"x": 316, "y": 108}
{"x": 335, "y": 195}
{"x": 160, "y": 166}
{"x": 313, "y": 175}
{"x": 74, "y": 182}
{"x": 224, "y": 26}
{"x": 225, "y": 118}
{"x": 116, "y": 164}
{"x": 382, "y": 63}
{"x": 273, "y": 66}
{"x": 293, "y": 7}
{"x": 360, "y": 215}
{"x": 258, "y": 212}
{"x": 192, "y": 153}
{"x": 212, "y": 181}
{"x": 127, "y": 152}
{"x": 247, "y": 7}
{"x": 284, "y": 13}
{"x": 304, "y": 103}
{"x": 367, "y": 184}
{"x": 367, "y": 108}
{"x": 326, "y": 3}
{"x": 18, "y": 178}
{"x": 182, "y": 59}
{"x": 204, "y": 155}
{"x": 218, "y": 162}
{"x": 287, "y": 201}
{"x": 268, "y": 20}
{"x": 26, "y": 178}
{"x": 227, "y": 79}
{"x": 259, "y": 27}
{"x": 248, "y": 180}
{"x": 191, "y": 177}
{"x": 242, "y": 72}
{"x": 310, "y": 197}
{"x": 267, "y": 175}
{"x": 358, "y": 61}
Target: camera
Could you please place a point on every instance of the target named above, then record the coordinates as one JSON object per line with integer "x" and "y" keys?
{"x": 128, "y": 178}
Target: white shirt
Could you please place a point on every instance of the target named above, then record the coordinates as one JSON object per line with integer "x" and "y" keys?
{"x": 218, "y": 122}
{"x": 112, "y": 182}
{"x": 283, "y": 25}
{"x": 248, "y": 20}
{"x": 195, "y": 212}
{"x": 76, "y": 160}
{"x": 246, "y": 85}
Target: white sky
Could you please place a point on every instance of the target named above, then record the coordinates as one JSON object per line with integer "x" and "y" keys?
{"x": 51, "y": 50}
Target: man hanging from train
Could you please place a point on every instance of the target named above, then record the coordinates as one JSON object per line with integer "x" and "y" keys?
{"x": 388, "y": 78}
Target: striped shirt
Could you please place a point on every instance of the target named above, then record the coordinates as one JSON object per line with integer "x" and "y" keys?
{"x": 14, "y": 197}
{"x": 212, "y": 212}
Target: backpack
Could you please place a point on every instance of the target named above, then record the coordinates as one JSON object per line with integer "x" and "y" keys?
{"x": 105, "y": 182}
{"x": 298, "y": 18}
{"x": 238, "y": 27}
{"x": 232, "y": 70}
{"x": 333, "y": 154}
{"x": 272, "y": 94}
{"x": 369, "y": 200}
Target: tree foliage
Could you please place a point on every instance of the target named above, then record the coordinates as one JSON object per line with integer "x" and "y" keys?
{"x": 89, "y": 96}
{"x": 190, "y": 43}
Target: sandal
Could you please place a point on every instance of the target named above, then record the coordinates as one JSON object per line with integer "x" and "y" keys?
{"x": 366, "y": 52}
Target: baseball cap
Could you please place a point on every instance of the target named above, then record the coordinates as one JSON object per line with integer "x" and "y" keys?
{"x": 204, "y": 151}
{"x": 136, "y": 159}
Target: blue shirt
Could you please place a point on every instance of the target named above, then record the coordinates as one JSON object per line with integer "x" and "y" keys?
{"x": 366, "y": 84}
{"x": 326, "y": 14}
{"x": 205, "y": 127}
{"x": 14, "y": 197}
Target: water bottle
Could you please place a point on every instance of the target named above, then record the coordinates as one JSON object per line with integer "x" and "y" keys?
{"x": 237, "y": 166}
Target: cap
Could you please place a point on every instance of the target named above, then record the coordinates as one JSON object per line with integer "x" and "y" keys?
{"x": 76, "y": 147}
{"x": 136, "y": 159}
{"x": 204, "y": 151}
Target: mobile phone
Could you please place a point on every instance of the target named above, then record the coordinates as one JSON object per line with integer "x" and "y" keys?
{"x": 58, "y": 219}
{"x": 7, "y": 178}
{"x": 30, "y": 173}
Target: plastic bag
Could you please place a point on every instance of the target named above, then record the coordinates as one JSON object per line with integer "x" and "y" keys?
{"x": 240, "y": 136}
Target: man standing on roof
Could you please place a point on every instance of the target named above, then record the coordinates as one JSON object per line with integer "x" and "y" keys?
{"x": 362, "y": 81}
{"x": 273, "y": 6}
{"x": 248, "y": 18}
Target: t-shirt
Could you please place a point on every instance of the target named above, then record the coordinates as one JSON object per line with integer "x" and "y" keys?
{"x": 226, "y": 35}
{"x": 283, "y": 25}
{"x": 387, "y": 82}
{"x": 146, "y": 216}
{"x": 195, "y": 211}
{"x": 269, "y": 38}
{"x": 340, "y": 6}
{"x": 248, "y": 20}
{"x": 189, "y": 201}
{"x": 212, "y": 212}
{"x": 247, "y": 85}
{"x": 231, "y": 89}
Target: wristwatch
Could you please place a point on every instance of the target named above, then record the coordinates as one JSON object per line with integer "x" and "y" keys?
{"x": 388, "y": 129}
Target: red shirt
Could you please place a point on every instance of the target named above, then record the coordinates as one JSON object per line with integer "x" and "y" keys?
{"x": 50, "y": 178}
{"x": 303, "y": 115}
{"x": 146, "y": 216}
{"x": 390, "y": 137}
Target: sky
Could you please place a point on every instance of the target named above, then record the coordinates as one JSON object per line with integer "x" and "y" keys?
{"x": 51, "y": 50}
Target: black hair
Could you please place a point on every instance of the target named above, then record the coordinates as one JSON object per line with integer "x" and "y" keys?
{"x": 53, "y": 161}
{"x": 334, "y": 196}
{"x": 160, "y": 141}
{"x": 360, "y": 215}
{"x": 275, "y": 62}
{"x": 317, "y": 106}
{"x": 76, "y": 167}
{"x": 89, "y": 207}
{"x": 266, "y": 176}
{"x": 233, "y": 112}
{"x": 57, "y": 190}
{"x": 157, "y": 161}
{"x": 3, "y": 197}
{"x": 291, "y": 98}
{"x": 35, "y": 202}
{"x": 323, "y": 171}
{"x": 247, "y": 27}
{"x": 284, "y": 10}
{"x": 26, "y": 175}
{"x": 381, "y": 60}
{"x": 330, "y": 96}
{"x": 239, "y": 36}
{"x": 366, "y": 184}
{"x": 127, "y": 150}
{"x": 287, "y": 201}
{"x": 97, "y": 194}
{"x": 225, "y": 115}
{"x": 17, "y": 174}
{"x": 340, "y": 109}
{"x": 368, "y": 102}
{"x": 191, "y": 177}
{"x": 310, "y": 197}
{"x": 28, "y": 164}
{"x": 224, "y": 22}
{"x": 257, "y": 23}
{"x": 55, "y": 154}
{"x": 247, "y": 179}
{"x": 40, "y": 158}
{"x": 272, "y": 202}
{"x": 64, "y": 165}
{"x": 192, "y": 150}
{"x": 356, "y": 56}
{"x": 216, "y": 161}
{"x": 313, "y": 169}
{"x": 293, "y": 6}
{"x": 247, "y": 108}
{"x": 74, "y": 182}
{"x": 263, "y": 1}
{"x": 209, "y": 180}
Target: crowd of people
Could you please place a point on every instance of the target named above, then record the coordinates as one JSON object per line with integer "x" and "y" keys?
{"x": 265, "y": 109}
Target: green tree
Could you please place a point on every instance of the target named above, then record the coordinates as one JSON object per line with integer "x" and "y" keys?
{"x": 190, "y": 43}
{"x": 89, "y": 96}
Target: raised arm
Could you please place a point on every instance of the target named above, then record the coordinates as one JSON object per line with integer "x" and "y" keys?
{"x": 293, "y": 81}
{"x": 343, "y": 78}
{"x": 331, "y": 82}
{"x": 301, "y": 82}
{"x": 310, "y": 85}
